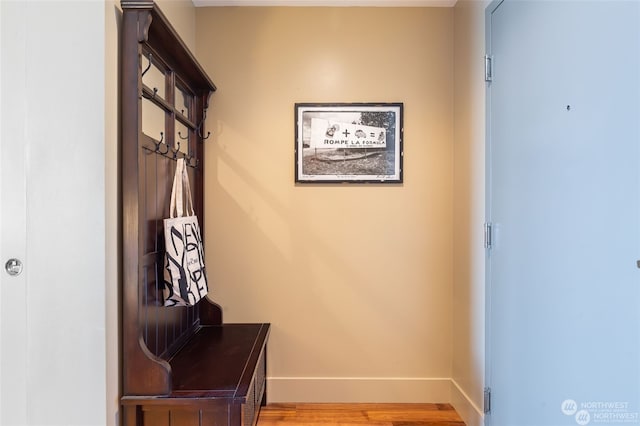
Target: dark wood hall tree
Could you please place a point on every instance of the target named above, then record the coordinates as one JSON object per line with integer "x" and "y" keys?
{"x": 181, "y": 366}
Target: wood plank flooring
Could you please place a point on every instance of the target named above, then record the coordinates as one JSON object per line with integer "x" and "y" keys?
{"x": 359, "y": 415}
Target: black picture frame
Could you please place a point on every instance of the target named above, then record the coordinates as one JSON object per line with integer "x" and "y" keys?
{"x": 349, "y": 142}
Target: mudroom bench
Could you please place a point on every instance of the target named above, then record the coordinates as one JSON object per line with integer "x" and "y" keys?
{"x": 181, "y": 365}
{"x": 218, "y": 378}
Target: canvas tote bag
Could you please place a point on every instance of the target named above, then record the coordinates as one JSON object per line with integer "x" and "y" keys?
{"x": 185, "y": 274}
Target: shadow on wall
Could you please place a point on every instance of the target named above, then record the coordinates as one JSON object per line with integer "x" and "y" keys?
{"x": 343, "y": 272}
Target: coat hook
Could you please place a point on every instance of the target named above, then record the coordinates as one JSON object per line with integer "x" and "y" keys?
{"x": 192, "y": 161}
{"x": 148, "y": 66}
{"x": 183, "y": 137}
{"x": 204, "y": 117}
{"x": 155, "y": 92}
{"x": 200, "y": 132}
{"x": 159, "y": 144}
{"x": 176, "y": 150}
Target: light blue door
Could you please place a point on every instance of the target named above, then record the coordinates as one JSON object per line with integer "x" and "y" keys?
{"x": 563, "y": 325}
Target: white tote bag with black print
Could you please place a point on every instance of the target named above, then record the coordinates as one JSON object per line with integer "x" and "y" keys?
{"x": 185, "y": 274}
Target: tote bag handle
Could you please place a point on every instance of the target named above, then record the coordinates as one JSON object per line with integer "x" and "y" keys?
{"x": 181, "y": 200}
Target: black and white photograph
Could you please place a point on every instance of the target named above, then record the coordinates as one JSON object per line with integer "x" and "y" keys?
{"x": 348, "y": 142}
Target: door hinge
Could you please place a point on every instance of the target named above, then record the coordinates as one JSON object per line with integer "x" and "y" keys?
{"x": 488, "y": 235}
{"x": 488, "y": 68}
{"x": 487, "y": 400}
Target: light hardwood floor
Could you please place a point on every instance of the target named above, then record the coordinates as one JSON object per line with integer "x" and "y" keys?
{"x": 359, "y": 415}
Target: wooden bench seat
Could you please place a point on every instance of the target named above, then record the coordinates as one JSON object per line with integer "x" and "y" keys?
{"x": 219, "y": 377}
{"x": 220, "y": 361}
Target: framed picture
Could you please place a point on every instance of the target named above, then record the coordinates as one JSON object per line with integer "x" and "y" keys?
{"x": 355, "y": 142}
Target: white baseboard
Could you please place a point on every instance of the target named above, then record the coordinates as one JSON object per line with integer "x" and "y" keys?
{"x": 470, "y": 413}
{"x": 358, "y": 389}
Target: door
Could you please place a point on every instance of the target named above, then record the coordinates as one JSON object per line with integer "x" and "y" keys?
{"x": 52, "y": 213}
{"x": 563, "y": 325}
{"x": 13, "y": 323}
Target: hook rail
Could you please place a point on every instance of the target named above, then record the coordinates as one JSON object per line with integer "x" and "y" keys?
{"x": 172, "y": 153}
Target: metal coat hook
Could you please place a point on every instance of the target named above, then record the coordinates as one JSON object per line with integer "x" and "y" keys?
{"x": 148, "y": 66}
{"x": 176, "y": 150}
{"x": 204, "y": 138}
{"x": 171, "y": 152}
{"x": 183, "y": 137}
{"x": 199, "y": 128}
{"x": 159, "y": 144}
{"x": 155, "y": 92}
{"x": 191, "y": 161}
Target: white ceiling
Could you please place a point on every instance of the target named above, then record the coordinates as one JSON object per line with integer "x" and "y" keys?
{"x": 334, "y": 3}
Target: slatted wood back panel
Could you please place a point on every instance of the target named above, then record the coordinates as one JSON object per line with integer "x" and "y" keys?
{"x": 164, "y": 328}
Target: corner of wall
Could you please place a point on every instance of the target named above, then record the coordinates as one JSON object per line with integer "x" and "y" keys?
{"x": 111, "y": 84}
{"x": 466, "y": 408}
{"x": 182, "y": 15}
{"x": 468, "y": 374}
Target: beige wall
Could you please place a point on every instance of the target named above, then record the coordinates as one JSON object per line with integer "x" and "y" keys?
{"x": 356, "y": 280}
{"x": 363, "y": 284}
{"x": 182, "y": 15}
{"x": 469, "y": 211}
